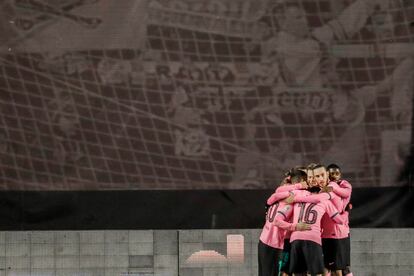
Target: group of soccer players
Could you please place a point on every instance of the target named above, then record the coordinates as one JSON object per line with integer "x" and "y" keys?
{"x": 307, "y": 225}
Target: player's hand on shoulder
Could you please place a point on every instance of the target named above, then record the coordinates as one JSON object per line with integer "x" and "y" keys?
{"x": 304, "y": 184}
{"x": 290, "y": 199}
{"x": 327, "y": 189}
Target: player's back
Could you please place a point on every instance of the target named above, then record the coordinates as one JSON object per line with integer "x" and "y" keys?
{"x": 311, "y": 213}
{"x": 272, "y": 235}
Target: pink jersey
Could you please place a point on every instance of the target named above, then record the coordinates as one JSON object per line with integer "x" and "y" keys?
{"x": 316, "y": 198}
{"x": 271, "y": 235}
{"x": 288, "y": 232}
{"x": 283, "y": 192}
{"x": 312, "y": 214}
{"x": 284, "y": 217}
{"x": 343, "y": 189}
{"x": 332, "y": 230}
{"x": 283, "y": 214}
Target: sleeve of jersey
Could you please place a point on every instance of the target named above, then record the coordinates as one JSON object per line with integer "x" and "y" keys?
{"x": 338, "y": 203}
{"x": 333, "y": 213}
{"x": 281, "y": 220}
{"x": 276, "y": 197}
{"x": 344, "y": 191}
{"x": 288, "y": 188}
{"x": 316, "y": 198}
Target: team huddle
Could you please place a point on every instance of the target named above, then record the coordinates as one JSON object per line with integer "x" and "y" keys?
{"x": 307, "y": 224}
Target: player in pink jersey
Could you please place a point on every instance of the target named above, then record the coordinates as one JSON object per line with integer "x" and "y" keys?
{"x": 327, "y": 223}
{"x": 335, "y": 238}
{"x": 297, "y": 175}
{"x": 271, "y": 240}
{"x": 339, "y": 186}
{"x": 306, "y": 252}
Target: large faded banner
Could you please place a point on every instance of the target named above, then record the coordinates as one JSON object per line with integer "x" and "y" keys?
{"x": 186, "y": 94}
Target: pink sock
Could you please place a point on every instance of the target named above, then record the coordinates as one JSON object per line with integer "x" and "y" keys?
{"x": 349, "y": 274}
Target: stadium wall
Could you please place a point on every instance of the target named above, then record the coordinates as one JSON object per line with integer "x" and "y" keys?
{"x": 203, "y": 209}
{"x": 375, "y": 252}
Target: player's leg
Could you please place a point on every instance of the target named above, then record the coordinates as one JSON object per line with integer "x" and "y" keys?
{"x": 285, "y": 259}
{"x": 328, "y": 248}
{"x": 268, "y": 260}
{"x": 260, "y": 258}
{"x": 297, "y": 264}
{"x": 341, "y": 256}
{"x": 313, "y": 255}
{"x": 347, "y": 270}
{"x": 276, "y": 255}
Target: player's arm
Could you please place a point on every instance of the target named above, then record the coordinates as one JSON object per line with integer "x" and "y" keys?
{"x": 337, "y": 202}
{"x": 277, "y": 196}
{"x": 349, "y": 21}
{"x": 333, "y": 213}
{"x": 397, "y": 76}
{"x": 369, "y": 93}
{"x": 292, "y": 187}
{"x": 344, "y": 191}
{"x": 345, "y": 184}
{"x": 282, "y": 192}
{"x": 282, "y": 217}
{"x": 315, "y": 198}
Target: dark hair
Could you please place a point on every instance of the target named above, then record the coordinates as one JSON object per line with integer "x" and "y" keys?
{"x": 314, "y": 189}
{"x": 287, "y": 173}
{"x": 300, "y": 168}
{"x": 297, "y": 176}
{"x": 314, "y": 166}
{"x": 333, "y": 166}
{"x": 291, "y": 171}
